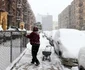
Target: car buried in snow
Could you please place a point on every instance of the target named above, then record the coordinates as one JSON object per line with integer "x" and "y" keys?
{"x": 81, "y": 59}
{"x": 67, "y": 43}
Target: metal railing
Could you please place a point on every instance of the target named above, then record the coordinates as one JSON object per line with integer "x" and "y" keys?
{"x": 12, "y": 44}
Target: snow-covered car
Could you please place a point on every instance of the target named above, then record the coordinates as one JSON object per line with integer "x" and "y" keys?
{"x": 50, "y": 36}
{"x": 67, "y": 43}
{"x": 81, "y": 59}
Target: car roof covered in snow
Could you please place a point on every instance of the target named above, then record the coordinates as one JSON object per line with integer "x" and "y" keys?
{"x": 71, "y": 39}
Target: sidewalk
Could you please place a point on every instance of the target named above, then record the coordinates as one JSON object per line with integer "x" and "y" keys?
{"x": 24, "y": 62}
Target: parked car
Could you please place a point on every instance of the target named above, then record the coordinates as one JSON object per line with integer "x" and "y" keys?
{"x": 81, "y": 59}
{"x": 50, "y": 35}
{"x": 67, "y": 43}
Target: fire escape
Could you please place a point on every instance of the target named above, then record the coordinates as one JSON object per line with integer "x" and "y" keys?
{"x": 19, "y": 16}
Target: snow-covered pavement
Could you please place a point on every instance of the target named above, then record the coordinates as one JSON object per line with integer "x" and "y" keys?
{"x": 55, "y": 64}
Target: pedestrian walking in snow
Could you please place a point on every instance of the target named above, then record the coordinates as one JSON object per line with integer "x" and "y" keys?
{"x": 35, "y": 42}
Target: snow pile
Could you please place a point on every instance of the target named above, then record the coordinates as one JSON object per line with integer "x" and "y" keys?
{"x": 21, "y": 29}
{"x": 11, "y": 29}
{"x": 1, "y": 29}
{"x": 55, "y": 64}
{"x": 81, "y": 57}
{"x": 47, "y": 33}
{"x": 71, "y": 41}
{"x": 74, "y": 68}
{"x": 51, "y": 34}
{"x": 28, "y": 32}
{"x": 24, "y": 63}
{"x": 16, "y": 29}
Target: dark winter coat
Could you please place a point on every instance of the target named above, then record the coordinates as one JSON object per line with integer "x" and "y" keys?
{"x": 34, "y": 38}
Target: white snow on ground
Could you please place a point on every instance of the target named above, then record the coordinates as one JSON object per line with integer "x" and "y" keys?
{"x": 81, "y": 57}
{"x": 22, "y": 29}
{"x": 55, "y": 64}
{"x": 24, "y": 63}
{"x": 11, "y": 29}
{"x": 71, "y": 40}
{"x": 14, "y": 29}
{"x": 50, "y": 33}
{"x": 72, "y": 44}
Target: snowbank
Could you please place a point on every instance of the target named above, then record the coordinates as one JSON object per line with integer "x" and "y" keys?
{"x": 81, "y": 57}
{"x": 22, "y": 29}
{"x": 47, "y": 33}
{"x": 11, "y": 29}
{"x": 71, "y": 41}
{"x": 1, "y": 29}
{"x": 24, "y": 63}
{"x": 50, "y": 34}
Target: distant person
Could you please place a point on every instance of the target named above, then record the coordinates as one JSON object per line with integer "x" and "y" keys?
{"x": 35, "y": 42}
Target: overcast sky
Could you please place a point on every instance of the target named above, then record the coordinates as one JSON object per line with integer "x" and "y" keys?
{"x": 52, "y": 7}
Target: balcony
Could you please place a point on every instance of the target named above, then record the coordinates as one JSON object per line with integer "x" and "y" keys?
{"x": 19, "y": 5}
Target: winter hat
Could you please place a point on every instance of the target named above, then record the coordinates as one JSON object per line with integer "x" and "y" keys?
{"x": 35, "y": 29}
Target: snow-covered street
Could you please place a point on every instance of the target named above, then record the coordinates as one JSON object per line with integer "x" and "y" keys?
{"x": 55, "y": 64}
{"x": 24, "y": 63}
{"x": 42, "y": 35}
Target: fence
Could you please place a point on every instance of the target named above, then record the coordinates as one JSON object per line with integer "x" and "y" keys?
{"x": 12, "y": 43}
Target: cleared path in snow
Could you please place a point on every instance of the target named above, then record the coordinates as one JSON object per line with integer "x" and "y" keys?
{"x": 24, "y": 63}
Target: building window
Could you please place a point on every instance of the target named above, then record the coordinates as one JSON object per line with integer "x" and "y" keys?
{"x": 19, "y": 1}
{"x": 80, "y": 10}
{"x": 80, "y": 4}
{"x": 80, "y": 17}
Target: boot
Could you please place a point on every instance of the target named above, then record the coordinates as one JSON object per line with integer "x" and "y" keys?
{"x": 37, "y": 63}
{"x": 32, "y": 62}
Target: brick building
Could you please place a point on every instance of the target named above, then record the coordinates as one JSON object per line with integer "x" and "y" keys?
{"x": 31, "y": 18}
{"x": 75, "y": 15}
{"x": 64, "y": 18}
{"x": 18, "y": 11}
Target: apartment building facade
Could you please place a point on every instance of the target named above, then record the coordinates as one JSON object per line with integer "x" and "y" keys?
{"x": 75, "y": 16}
{"x": 18, "y": 11}
{"x": 64, "y": 18}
